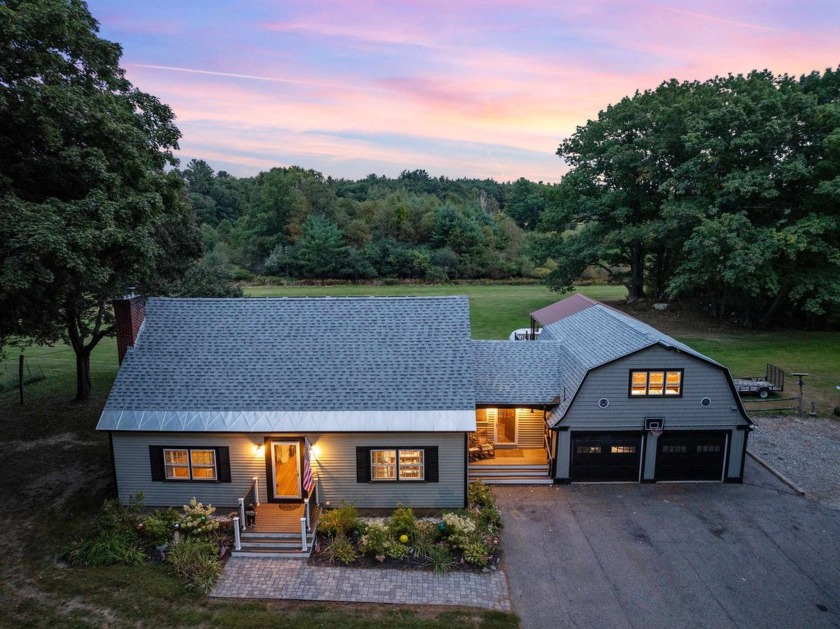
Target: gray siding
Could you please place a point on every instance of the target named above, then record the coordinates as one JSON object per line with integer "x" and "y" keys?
{"x": 335, "y": 464}
{"x": 611, "y": 381}
{"x": 134, "y": 473}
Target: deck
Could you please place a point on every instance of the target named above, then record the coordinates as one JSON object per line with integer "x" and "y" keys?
{"x": 282, "y": 518}
{"x": 514, "y": 457}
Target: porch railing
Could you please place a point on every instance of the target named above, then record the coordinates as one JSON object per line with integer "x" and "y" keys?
{"x": 306, "y": 521}
{"x": 252, "y": 497}
{"x": 547, "y": 445}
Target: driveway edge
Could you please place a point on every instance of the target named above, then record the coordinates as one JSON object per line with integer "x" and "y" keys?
{"x": 776, "y": 473}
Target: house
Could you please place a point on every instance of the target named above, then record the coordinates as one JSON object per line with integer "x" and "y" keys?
{"x": 378, "y": 398}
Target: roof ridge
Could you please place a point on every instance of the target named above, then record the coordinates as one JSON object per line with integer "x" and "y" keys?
{"x": 314, "y": 297}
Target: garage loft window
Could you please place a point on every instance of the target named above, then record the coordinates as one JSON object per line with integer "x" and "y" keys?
{"x": 396, "y": 464}
{"x": 187, "y": 463}
{"x": 656, "y": 382}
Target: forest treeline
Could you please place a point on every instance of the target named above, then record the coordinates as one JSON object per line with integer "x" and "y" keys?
{"x": 296, "y": 223}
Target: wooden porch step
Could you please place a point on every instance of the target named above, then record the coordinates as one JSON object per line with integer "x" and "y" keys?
{"x": 271, "y": 554}
{"x": 272, "y": 542}
{"x": 474, "y": 473}
{"x": 508, "y": 466}
{"x": 510, "y": 480}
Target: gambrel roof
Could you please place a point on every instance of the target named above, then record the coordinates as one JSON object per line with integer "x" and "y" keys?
{"x": 293, "y": 364}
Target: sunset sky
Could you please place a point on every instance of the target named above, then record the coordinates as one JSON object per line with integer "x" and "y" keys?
{"x": 460, "y": 88}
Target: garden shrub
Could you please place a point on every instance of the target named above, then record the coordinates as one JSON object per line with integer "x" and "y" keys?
{"x": 490, "y": 519}
{"x": 402, "y": 522}
{"x": 197, "y": 520}
{"x": 344, "y": 519}
{"x": 106, "y": 547}
{"x": 159, "y": 527}
{"x": 460, "y": 530}
{"x": 340, "y": 550}
{"x": 475, "y": 553}
{"x": 196, "y": 560}
{"x": 374, "y": 540}
{"x": 114, "y": 539}
{"x": 440, "y": 558}
{"x": 480, "y": 495}
{"x": 426, "y": 535}
{"x": 396, "y": 550}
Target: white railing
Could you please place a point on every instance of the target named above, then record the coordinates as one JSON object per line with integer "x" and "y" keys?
{"x": 303, "y": 545}
{"x": 237, "y": 541}
{"x": 241, "y": 518}
{"x": 306, "y": 511}
{"x": 256, "y": 491}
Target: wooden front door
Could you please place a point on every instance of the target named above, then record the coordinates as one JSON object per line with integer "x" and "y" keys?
{"x": 285, "y": 469}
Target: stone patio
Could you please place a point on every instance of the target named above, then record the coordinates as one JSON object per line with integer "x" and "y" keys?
{"x": 296, "y": 580}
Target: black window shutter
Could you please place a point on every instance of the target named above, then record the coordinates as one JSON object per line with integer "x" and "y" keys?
{"x": 431, "y": 459}
{"x": 156, "y": 460}
{"x": 362, "y": 465}
{"x": 223, "y": 464}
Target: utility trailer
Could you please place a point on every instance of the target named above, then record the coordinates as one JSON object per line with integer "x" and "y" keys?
{"x": 773, "y": 380}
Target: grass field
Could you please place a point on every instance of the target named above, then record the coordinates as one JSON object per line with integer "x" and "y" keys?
{"x": 55, "y": 471}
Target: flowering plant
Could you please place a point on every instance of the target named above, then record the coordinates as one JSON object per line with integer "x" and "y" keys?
{"x": 197, "y": 518}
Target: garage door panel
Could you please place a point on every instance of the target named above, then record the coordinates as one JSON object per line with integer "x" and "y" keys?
{"x": 606, "y": 456}
{"x": 690, "y": 455}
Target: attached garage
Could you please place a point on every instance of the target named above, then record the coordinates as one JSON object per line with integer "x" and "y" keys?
{"x": 690, "y": 455}
{"x": 606, "y": 456}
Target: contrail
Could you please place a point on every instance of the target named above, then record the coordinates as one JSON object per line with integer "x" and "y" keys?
{"x": 714, "y": 18}
{"x": 253, "y": 77}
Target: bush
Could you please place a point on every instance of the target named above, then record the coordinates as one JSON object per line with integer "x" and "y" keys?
{"x": 197, "y": 520}
{"x": 460, "y": 530}
{"x": 374, "y": 540}
{"x": 196, "y": 560}
{"x": 157, "y": 531}
{"x": 479, "y": 495}
{"x": 344, "y": 519}
{"x": 475, "y": 553}
{"x": 440, "y": 558}
{"x": 426, "y": 535}
{"x": 396, "y": 550}
{"x": 490, "y": 519}
{"x": 107, "y": 547}
{"x": 340, "y": 550}
{"x": 402, "y": 522}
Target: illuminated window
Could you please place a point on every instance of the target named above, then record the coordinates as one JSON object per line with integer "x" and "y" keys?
{"x": 650, "y": 382}
{"x": 622, "y": 449}
{"x": 189, "y": 464}
{"x": 411, "y": 465}
{"x": 588, "y": 449}
{"x": 398, "y": 464}
{"x": 383, "y": 465}
{"x": 177, "y": 464}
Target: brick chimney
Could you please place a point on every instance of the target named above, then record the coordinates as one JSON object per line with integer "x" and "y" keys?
{"x": 129, "y": 312}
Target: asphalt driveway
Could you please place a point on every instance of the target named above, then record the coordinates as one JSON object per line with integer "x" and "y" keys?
{"x": 671, "y": 555}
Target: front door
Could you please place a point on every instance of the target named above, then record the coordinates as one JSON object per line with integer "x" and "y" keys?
{"x": 506, "y": 426}
{"x": 285, "y": 468}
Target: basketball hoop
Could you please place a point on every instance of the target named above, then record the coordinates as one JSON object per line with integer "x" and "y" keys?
{"x": 656, "y": 432}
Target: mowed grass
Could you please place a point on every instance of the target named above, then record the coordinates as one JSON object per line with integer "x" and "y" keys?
{"x": 495, "y": 310}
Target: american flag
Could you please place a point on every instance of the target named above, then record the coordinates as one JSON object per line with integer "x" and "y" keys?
{"x": 307, "y": 468}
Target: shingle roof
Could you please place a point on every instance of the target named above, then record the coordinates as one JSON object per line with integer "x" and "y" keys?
{"x": 517, "y": 372}
{"x": 369, "y": 363}
{"x": 597, "y": 334}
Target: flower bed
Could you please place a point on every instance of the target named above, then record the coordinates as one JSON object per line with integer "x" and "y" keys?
{"x": 466, "y": 539}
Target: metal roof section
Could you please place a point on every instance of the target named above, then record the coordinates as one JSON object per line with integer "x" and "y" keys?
{"x": 517, "y": 372}
{"x": 562, "y": 309}
{"x": 294, "y": 364}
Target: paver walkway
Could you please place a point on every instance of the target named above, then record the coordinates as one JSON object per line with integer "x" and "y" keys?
{"x": 291, "y": 579}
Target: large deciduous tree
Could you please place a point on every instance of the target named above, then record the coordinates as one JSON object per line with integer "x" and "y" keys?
{"x": 86, "y": 209}
{"x": 724, "y": 191}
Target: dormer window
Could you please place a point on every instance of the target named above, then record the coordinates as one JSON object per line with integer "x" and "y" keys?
{"x": 656, "y": 382}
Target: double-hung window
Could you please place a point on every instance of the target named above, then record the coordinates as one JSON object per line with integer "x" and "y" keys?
{"x": 189, "y": 464}
{"x": 656, "y": 382}
{"x": 397, "y": 464}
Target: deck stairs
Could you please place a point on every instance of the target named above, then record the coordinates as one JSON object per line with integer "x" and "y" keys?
{"x": 275, "y": 545}
{"x": 276, "y": 533}
{"x": 507, "y": 474}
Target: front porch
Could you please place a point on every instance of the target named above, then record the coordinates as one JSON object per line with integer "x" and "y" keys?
{"x": 512, "y": 466}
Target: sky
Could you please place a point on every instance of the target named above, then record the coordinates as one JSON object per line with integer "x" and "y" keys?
{"x": 459, "y": 88}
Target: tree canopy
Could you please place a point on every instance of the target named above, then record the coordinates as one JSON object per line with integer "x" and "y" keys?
{"x": 87, "y": 209}
{"x": 725, "y": 191}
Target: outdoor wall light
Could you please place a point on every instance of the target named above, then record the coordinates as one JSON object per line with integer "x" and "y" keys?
{"x": 259, "y": 450}
{"x": 315, "y": 451}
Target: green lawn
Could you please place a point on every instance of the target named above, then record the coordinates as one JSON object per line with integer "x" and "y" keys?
{"x": 496, "y": 310}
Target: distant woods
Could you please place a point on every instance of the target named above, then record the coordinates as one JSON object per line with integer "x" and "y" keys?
{"x": 296, "y": 223}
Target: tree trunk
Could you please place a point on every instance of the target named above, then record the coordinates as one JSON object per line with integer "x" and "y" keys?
{"x": 774, "y": 308}
{"x": 637, "y": 272}
{"x": 83, "y": 375}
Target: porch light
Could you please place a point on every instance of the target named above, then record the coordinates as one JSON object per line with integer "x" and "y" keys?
{"x": 315, "y": 451}
{"x": 259, "y": 450}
